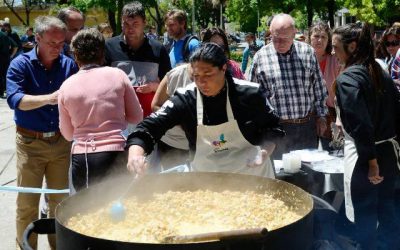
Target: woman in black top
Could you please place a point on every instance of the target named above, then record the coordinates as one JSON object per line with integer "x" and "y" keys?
{"x": 201, "y": 109}
{"x": 369, "y": 111}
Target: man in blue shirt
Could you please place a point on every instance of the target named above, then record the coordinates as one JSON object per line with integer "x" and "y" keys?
{"x": 33, "y": 81}
{"x": 184, "y": 44}
{"x": 28, "y": 40}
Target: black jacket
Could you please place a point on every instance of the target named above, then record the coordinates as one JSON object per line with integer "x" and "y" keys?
{"x": 367, "y": 115}
{"x": 253, "y": 113}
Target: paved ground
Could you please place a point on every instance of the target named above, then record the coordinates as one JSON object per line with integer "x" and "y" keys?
{"x": 7, "y": 177}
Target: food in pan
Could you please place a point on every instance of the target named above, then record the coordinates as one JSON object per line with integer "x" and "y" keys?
{"x": 185, "y": 213}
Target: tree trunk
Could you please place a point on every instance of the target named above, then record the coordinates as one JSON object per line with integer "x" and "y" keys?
{"x": 215, "y": 17}
{"x": 27, "y": 18}
{"x": 120, "y": 5}
{"x": 11, "y": 8}
{"x": 331, "y": 12}
{"x": 310, "y": 13}
{"x": 111, "y": 20}
{"x": 159, "y": 19}
{"x": 27, "y": 13}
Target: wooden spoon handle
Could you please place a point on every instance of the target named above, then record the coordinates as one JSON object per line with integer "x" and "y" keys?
{"x": 253, "y": 233}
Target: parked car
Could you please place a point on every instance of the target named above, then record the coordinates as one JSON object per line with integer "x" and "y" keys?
{"x": 235, "y": 38}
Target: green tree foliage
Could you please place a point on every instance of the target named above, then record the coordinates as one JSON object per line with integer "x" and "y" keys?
{"x": 207, "y": 11}
{"x": 245, "y": 13}
{"x": 378, "y": 12}
{"x": 28, "y": 6}
{"x": 114, "y": 8}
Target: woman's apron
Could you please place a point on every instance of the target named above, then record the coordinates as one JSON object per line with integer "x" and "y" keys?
{"x": 350, "y": 159}
{"x": 223, "y": 148}
{"x": 89, "y": 142}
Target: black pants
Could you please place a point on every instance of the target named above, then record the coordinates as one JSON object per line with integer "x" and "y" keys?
{"x": 374, "y": 204}
{"x": 4, "y": 63}
{"x": 298, "y": 136}
{"x": 100, "y": 165}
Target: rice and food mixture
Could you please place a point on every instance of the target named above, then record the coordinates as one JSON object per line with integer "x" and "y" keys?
{"x": 185, "y": 213}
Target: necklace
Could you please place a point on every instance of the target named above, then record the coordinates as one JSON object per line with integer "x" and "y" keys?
{"x": 89, "y": 66}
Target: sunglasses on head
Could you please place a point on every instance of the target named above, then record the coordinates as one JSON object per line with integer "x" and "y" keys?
{"x": 392, "y": 43}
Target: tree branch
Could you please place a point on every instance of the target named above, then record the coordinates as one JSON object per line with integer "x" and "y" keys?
{"x": 12, "y": 9}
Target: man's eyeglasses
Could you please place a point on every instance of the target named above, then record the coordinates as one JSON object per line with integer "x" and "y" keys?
{"x": 285, "y": 39}
{"x": 393, "y": 43}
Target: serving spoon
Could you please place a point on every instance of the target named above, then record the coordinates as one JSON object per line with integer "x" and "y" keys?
{"x": 117, "y": 211}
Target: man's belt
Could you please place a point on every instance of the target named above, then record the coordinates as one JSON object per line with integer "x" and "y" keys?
{"x": 305, "y": 119}
{"x": 37, "y": 135}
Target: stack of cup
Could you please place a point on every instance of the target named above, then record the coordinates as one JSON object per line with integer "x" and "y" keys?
{"x": 291, "y": 162}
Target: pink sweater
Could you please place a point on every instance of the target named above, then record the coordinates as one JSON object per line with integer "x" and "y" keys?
{"x": 95, "y": 106}
{"x": 332, "y": 70}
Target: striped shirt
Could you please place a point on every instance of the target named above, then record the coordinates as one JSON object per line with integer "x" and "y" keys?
{"x": 292, "y": 81}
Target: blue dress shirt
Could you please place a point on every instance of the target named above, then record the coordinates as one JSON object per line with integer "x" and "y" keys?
{"x": 26, "y": 75}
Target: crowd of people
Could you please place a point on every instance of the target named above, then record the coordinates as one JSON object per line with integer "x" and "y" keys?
{"x": 89, "y": 104}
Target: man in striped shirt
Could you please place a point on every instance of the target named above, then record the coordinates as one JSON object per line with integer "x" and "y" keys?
{"x": 291, "y": 79}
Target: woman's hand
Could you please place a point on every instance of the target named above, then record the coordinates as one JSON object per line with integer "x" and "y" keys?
{"x": 136, "y": 160}
{"x": 262, "y": 156}
{"x": 373, "y": 172}
{"x": 259, "y": 160}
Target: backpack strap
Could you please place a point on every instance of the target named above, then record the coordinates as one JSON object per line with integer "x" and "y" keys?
{"x": 185, "y": 48}
{"x": 155, "y": 46}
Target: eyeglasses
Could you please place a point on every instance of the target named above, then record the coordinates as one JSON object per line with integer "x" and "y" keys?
{"x": 393, "y": 43}
{"x": 282, "y": 39}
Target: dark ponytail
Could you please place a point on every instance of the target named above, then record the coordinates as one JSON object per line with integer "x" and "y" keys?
{"x": 364, "y": 52}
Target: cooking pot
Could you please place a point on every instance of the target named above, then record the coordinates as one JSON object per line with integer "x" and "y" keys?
{"x": 297, "y": 235}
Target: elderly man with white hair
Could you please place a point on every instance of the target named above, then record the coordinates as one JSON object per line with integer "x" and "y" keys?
{"x": 290, "y": 77}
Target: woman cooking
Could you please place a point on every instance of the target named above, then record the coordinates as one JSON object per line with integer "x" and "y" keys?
{"x": 223, "y": 118}
{"x": 369, "y": 107}
{"x": 173, "y": 147}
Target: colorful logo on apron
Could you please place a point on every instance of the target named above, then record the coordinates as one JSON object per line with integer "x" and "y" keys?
{"x": 219, "y": 145}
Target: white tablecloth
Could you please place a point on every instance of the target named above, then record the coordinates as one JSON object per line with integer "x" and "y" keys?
{"x": 331, "y": 167}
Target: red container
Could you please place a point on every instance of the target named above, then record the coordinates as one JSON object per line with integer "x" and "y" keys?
{"x": 145, "y": 100}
